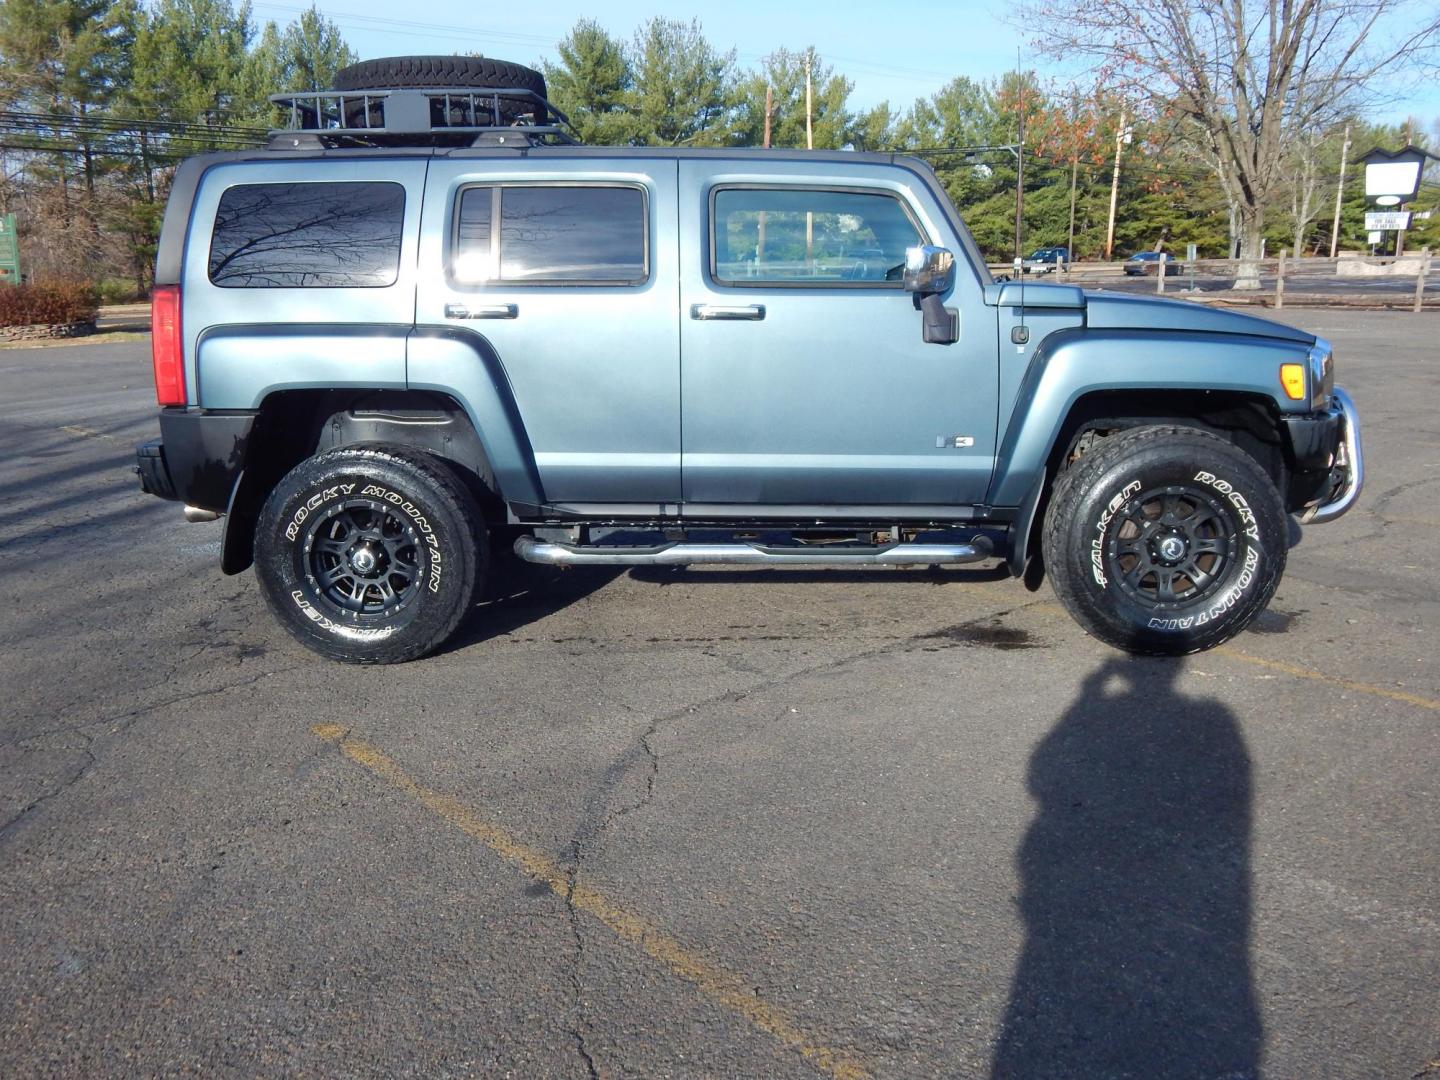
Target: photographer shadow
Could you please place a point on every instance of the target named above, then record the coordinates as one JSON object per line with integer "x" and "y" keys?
{"x": 1136, "y": 890}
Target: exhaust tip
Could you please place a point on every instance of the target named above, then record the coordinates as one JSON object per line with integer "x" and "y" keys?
{"x": 194, "y": 514}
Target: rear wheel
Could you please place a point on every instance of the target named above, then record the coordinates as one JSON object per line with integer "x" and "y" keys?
{"x": 1165, "y": 540}
{"x": 370, "y": 554}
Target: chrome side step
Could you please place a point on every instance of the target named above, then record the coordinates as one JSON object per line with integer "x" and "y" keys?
{"x": 682, "y": 553}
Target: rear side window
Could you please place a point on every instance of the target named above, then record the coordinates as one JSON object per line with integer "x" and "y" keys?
{"x": 799, "y": 236}
{"x": 551, "y": 234}
{"x": 308, "y": 236}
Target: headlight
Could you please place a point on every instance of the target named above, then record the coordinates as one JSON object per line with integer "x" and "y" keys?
{"x": 1322, "y": 374}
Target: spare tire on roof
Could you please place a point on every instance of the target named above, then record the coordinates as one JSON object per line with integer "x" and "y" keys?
{"x": 445, "y": 73}
{"x": 439, "y": 72}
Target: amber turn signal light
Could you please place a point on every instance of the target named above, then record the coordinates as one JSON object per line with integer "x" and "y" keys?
{"x": 1292, "y": 378}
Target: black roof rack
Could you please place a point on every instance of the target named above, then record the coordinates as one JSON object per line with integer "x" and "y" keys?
{"x": 472, "y": 116}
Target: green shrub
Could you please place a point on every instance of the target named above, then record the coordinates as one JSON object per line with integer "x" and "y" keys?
{"x": 119, "y": 291}
{"x": 52, "y": 303}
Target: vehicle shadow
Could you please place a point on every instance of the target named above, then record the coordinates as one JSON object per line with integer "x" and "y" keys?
{"x": 1135, "y": 889}
{"x": 520, "y": 593}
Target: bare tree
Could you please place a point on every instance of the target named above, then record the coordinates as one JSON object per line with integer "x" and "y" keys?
{"x": 1303, "y": 177}
{"x": 1248, "y": 76}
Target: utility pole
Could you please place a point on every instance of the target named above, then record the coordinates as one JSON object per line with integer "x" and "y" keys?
{"x": 1074, "y": 174}
{"x": 1019, "y": 169}
{"x": 769, "y": 115}
{"x": 1400, "y": 233}
{"x": 809, "y": 106}
{"x": 1339, "y": 196}
{"x": 1114, "y": 188}
{"x": 809, "y": 145}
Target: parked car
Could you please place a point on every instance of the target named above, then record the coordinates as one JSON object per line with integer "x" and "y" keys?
{"x": 420, "y": 324}
{"x": 1047, "y": 260}
{"x": 1146, "y": 262}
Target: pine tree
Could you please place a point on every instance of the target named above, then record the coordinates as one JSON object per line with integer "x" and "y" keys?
{"x": 591, "y": 84}
{"x": 682, "y": 87}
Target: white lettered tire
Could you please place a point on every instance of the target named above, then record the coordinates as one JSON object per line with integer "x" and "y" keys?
{"x": 1165, "y": 540}
{"x": 370, "y": 553}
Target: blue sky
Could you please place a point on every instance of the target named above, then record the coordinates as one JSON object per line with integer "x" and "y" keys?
{"x": 893, "y": 52}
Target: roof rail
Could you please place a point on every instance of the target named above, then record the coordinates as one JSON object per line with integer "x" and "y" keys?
{"x": 419, "y": 117}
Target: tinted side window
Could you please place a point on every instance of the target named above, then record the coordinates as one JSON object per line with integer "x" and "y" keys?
{"x": 287, "y": 236}
{"x": 801, "y": 237}
{"x": 551, "y": 233}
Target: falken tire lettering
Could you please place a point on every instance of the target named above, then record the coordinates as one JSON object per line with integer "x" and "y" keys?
{"x": 359, "y": 633}
{"x": 1097, "y": 543}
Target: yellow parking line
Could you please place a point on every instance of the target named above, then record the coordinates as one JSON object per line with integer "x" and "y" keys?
{"x": 722, "y": 986}
{"x": 1332, "y": 680}
{"x": 84, "y": 432}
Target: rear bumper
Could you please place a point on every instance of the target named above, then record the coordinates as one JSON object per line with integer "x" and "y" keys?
{"x": 154, "y": 473}
{"x": 197, "y": 458}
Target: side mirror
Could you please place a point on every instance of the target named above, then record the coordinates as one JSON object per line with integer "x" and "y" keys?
{"x": 929, "y": 270}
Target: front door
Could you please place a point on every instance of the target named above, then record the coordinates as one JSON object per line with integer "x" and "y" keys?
{"x": 804, "y": 379}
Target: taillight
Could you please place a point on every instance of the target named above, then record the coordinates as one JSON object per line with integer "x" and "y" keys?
{"x": 165, "y": 347}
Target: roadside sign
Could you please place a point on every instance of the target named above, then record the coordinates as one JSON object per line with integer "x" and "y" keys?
{"x": 9, "y": 251}
{"x": 1387, "y": 220}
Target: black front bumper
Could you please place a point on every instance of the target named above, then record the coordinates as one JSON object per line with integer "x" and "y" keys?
{"x": 1327, "y": 465}
{"x": 197, "y": 458}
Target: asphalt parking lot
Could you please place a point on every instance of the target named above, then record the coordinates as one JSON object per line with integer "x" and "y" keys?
{"x": 708, "y": 823}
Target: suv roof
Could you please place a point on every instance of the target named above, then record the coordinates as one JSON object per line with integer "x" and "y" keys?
{"x": 170, "y": 256}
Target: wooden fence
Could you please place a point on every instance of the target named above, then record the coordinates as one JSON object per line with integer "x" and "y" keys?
{"x": 1411, "y": 281}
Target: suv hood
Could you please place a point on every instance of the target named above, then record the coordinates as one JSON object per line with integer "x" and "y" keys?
{"x": 1123, "y": 311}
{"x": 1117, "y": 311}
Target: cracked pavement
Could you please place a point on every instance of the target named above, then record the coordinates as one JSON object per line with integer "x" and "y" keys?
{"x": 916, "y": 820}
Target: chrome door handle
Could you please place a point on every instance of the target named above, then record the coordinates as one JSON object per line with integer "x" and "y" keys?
{"x": 484, "y": 311}
{"x": 727, "y": 311}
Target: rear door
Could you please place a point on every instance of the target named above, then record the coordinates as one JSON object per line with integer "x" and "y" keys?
{"x": 556, "y": 269}
{"x": 805, "y": 380}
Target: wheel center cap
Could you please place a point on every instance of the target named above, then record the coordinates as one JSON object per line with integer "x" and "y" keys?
{"x": 1172, "y": 549}
{"x": 364, "y": 560}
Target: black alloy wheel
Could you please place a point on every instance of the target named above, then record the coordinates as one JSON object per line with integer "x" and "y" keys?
{"x": 371, "y": 553}
{"x": 1164, "y": 540}
{"x": 1171, "y": 545}
{"x": 362, "y": 556}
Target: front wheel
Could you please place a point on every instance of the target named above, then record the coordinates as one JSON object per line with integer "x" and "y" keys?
{"x": 370, "y": 554}
{"x": 1165, "y": 540}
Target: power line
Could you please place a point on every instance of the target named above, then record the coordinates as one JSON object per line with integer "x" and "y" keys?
{"x": 110, "y": 122}
{"x": 420, "y": 29}
{"x": 417, "y": 28}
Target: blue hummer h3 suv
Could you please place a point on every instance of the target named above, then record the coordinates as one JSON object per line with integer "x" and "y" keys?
{"x": 422, "y": 322}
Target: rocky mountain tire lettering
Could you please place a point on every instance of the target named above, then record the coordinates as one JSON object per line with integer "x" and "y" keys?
{"x": 292, "y": 530}
{"x": 1249, "y": 525}
{"x": 1097, "y": 543}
